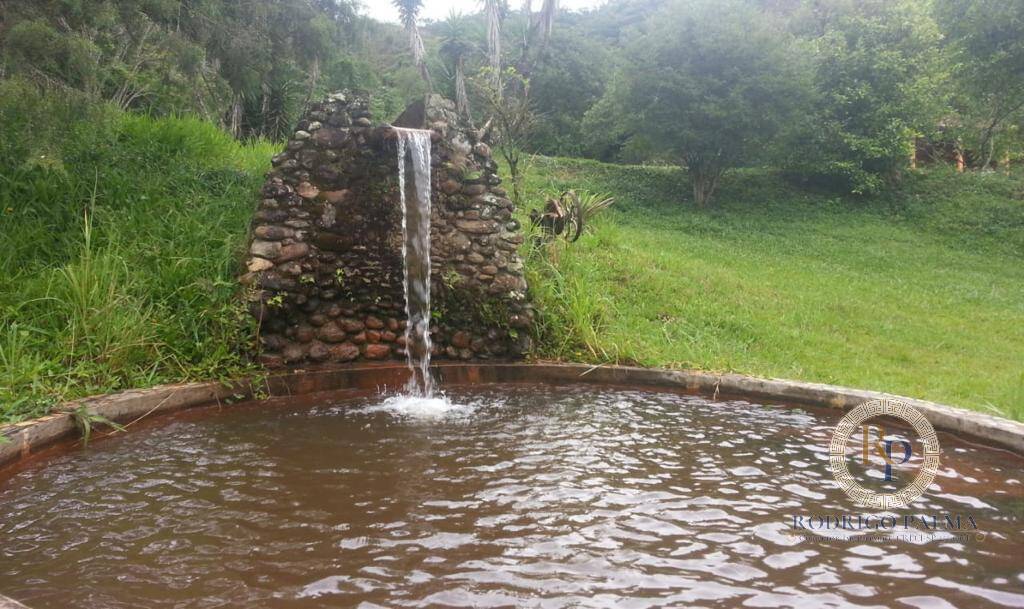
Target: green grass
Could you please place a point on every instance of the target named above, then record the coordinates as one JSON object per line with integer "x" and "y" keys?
{"x": 122, "y": 237}
{"x": 920, "y": 292}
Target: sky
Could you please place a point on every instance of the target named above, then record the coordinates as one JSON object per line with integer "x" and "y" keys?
{"x": 384, "y": 10}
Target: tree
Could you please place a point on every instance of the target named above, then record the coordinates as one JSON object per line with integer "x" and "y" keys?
{"x": 494, "y": 13}
{"x": 249, "y": 65}
{"x": 408, "y": 11}
{"x": 455, "y": 47}
{"x": 571, "y": 79}
{"x": 879, "y": 82}
{"x": 986, "y": 38}
{"x": 512, "y": 118}
{"x": 537, "y": 35}
{"x": 710, "y": 85}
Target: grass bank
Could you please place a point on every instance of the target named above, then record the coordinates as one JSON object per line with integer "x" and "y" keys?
{"x": 920, "y": 292}
{"x": 121, "y": 235}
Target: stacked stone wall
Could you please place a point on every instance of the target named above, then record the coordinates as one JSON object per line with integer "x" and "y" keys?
{"x": 324, "y": 272}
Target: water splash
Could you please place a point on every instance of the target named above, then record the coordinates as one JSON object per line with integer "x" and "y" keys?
{"x": 421, "y": 408}
{"x": 415, "y": 143}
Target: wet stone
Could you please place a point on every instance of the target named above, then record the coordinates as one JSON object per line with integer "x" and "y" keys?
{"x": 269, "y": 250}
{"x": 344, "y": 352}
{"x": 352, "y": 325}
{"x": 295, "y": 250}
{"x": 319, "y": 352}
{"x": 331, "y": 333}
{"x": 294, "y": 353}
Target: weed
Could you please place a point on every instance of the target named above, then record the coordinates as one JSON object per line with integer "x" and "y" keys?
{"x": 85, "y": 421}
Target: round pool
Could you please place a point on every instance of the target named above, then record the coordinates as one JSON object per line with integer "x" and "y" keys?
{"x": 503, "y": 495}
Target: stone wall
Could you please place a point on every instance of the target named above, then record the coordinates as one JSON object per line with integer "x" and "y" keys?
{"x": 324, "y": 275}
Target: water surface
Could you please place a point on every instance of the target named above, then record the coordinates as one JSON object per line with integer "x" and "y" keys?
{"x": 517, "y": 497}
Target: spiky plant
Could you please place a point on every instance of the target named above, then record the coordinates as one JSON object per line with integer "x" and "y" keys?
{"x": 570, "y": 213}
{"x": 408, "y": 13}
{"x": 455, "y": 47}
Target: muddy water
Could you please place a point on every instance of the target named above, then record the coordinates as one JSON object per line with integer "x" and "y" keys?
{"x": 541, "y": 497}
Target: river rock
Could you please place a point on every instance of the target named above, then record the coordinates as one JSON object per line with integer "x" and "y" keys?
{"x": 377, "y": 351}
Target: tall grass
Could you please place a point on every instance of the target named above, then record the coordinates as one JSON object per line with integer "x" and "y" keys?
{"x": 106, "y": 325}
{"x": 122, "y": 235}
{"x": 573, "y": 316}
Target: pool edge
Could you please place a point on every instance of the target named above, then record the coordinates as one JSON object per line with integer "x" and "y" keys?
{"x": 28, "y": 438}
{"x": 10, "y": 603}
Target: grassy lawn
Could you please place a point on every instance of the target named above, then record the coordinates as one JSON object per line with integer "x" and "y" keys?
{"x": 920, "y": 293}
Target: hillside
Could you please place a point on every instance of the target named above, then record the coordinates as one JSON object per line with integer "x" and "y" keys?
{"x": 919, "y": 292}
{"x": 123, "y": 236}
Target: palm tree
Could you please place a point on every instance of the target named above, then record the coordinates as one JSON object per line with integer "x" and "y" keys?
{"x": 538, "y": 33}
{"x": 535, "y": 38}
{"x": 455, "y": 47}
{"x": 408, "y": 11}
{"x": 493, "y": 10}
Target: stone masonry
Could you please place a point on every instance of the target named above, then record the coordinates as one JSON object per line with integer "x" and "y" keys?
{"x": 324, "y": 275}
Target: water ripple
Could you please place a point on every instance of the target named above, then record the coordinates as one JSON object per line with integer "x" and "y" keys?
{"x": 507, "y": 496}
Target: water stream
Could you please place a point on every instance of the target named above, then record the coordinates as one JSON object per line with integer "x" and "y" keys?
{"x": 414, "y": 146}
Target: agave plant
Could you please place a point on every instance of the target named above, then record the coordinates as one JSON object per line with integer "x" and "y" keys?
{"x": 455, "y": 47}
{"x": 408, "y": 13}
{"x": 569, "y": 213}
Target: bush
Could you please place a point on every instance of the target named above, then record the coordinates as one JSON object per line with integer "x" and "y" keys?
{"x": 67, "y": 59}
{"x": 879, "y": 74}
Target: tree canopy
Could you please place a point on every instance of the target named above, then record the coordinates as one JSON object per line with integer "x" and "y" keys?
{"x": 840, "y": 92}
{"x": 710, "y": 85}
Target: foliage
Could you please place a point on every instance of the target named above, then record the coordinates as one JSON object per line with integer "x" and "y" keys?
{"x": 569, "y": 214}
{"x": 85, "y": 421}
{"x": 879, "y": 77}
{"x": 123, "y": 230}
{"x": 710, "y": 85}
{"x": 408, "y": 12}
{"x": 512, "y": 118}
{"x": 884, "y": 72}
{"x": 456, "y": 47}
{"x": 986, "y": 38}
{"x": 250, "y": 66}
{"x": 571, "y": 78}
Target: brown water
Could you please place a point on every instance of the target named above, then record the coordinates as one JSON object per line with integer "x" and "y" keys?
{"x": 523, "y": 497}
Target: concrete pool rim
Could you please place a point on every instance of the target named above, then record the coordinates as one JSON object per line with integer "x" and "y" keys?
{"x": 29, "y": 438}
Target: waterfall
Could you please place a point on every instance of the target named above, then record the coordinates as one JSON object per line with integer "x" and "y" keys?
{"x": 415, "y": 143}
